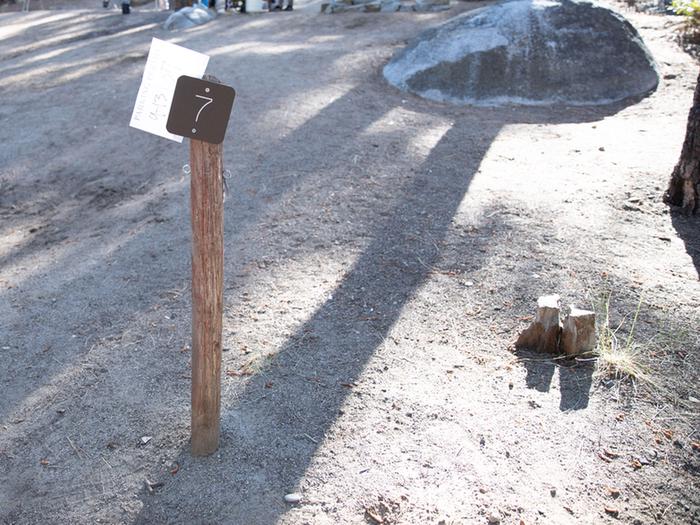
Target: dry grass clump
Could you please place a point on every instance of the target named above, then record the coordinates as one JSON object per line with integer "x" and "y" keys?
{"x": 619, "y": 357}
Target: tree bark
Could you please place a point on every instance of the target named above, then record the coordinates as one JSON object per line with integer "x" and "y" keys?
{"x": 685, "y": 180}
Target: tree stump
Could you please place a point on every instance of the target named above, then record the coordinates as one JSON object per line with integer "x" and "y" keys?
{"x": 578, "y": 334}
{"x": 543, "y": 334}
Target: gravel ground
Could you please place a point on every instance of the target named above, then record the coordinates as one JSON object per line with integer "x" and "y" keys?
{"x": 382, "y": 253}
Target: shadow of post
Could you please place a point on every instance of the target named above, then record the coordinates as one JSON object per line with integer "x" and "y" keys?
{"x": 575, "y": 377}
{"x": 575, "y": 380}
{"x": 258, "y": 450}
{"x": 270, "y": 436}
{"x": 540, "y": 371}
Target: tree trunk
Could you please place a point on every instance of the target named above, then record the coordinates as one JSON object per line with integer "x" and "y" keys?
{"x": 685, "y": 180}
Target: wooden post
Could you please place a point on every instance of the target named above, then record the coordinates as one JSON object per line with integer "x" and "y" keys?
{"x": 206, "y": 194}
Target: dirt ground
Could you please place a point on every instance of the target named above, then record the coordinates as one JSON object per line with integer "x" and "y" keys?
{"x": 382, "y": 253}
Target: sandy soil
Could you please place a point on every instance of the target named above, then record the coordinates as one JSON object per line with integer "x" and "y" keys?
{"x": 382, "y": 252}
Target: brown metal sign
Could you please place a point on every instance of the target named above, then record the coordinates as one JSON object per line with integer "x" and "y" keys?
{"x": 200, "y": 109}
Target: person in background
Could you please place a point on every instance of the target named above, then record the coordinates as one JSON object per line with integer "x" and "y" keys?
{"x": 126, "y": 7}
{"x": 276, "y": 5}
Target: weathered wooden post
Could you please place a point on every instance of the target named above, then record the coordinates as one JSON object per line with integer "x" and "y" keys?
{"x": 199, "y": 109}
{"x": 206, "y": 199}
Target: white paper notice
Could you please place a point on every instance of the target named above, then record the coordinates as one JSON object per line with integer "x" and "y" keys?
{"x": 165, "y": 64}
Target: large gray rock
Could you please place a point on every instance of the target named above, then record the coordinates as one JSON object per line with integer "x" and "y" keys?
{"x": 385, "y": 6}
{"x": 189, "y": 17}
{"x": 531, "y": 52}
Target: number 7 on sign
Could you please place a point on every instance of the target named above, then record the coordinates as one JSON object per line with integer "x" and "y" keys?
{"x": 209, "y": 101}
{"x": 200, "y": 109}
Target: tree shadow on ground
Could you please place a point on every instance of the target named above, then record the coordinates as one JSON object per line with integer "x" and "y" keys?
{"x": 575, "y": 377}
{"x": 329, "y": 351}
{"x": 87, "y": 228}
{"x": 47, "y": 34}
{"x": 270, "y": 435}
{"x": 688, "y": 229}
{"x": 264, "y": 453}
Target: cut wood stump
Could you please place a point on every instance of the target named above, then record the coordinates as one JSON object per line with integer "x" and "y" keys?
{"x": 543, "y": 334}
{"x": 578, "y": 333}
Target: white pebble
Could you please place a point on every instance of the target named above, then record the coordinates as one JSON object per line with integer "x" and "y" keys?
{"x": 295, "y": 497}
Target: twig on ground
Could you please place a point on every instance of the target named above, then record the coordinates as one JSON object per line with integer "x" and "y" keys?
{"x": 78, "y": 451}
